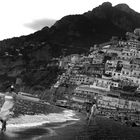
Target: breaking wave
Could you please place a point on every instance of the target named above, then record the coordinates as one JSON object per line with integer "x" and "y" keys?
{"x": 40, "y": 119}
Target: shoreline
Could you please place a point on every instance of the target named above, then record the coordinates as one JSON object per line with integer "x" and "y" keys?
{"x": 25, "y": 121}
{"x": 103, "y": 129}
{"x": 76, "y": 129}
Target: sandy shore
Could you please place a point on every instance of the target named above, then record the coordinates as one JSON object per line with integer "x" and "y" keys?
{"x": 104, "y": 129}
{"x": 74, "y": 127}
{"x": 36, "y": 126}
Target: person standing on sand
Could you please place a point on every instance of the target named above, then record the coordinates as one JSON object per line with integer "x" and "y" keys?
{"x": 6, "y": 110}
{"x": 88, "y": 110}
{"x": 93, "y": 112}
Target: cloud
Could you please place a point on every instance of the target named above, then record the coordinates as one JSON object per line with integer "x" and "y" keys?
{"x": 39, "y": 24}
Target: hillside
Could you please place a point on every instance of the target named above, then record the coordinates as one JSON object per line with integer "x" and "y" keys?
{"x": 24, "y": 56}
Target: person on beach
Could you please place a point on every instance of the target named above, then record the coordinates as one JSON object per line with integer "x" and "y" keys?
{"x": 6, "y": 110}
{"x": 93, "y": 112}
{"x": 88, "y": 109}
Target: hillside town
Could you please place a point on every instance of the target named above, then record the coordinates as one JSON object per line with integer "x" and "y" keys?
{"x": 110, "y": 72}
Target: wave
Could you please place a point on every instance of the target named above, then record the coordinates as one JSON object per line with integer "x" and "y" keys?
{"x": 35, "y": 127}
{"x": 40, "y": 119}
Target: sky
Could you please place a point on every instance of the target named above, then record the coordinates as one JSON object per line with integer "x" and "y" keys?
{"x": 22, "y": 17}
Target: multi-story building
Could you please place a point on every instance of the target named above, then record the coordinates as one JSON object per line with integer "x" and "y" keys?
{"x": 94, "y": 69}
{"x": 81, "y": 79}
{"x": 111, "y": 63}
{"x": 109, "y": 71}
{"x": 133, "y": 43}
{"x": 126, "y": 54}
{"x": 86, "y": 94}
{"x": 104, "y": 84}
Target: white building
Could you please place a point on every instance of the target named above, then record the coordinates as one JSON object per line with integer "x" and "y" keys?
{"x": 111, "y": 63}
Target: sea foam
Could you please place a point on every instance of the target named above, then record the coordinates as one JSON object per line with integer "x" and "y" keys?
{"x": 40, "y": 119}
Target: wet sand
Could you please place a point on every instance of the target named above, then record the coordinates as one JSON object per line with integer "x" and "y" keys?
{"x": 104, "y": 129}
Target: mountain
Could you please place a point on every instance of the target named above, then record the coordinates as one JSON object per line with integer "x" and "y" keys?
{"x": 70, "y": 34}
{"x": 76, "y": 32}
{"x": 95, "y": 26}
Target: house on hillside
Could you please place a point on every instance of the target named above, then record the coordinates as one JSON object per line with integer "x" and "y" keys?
{"x": 81, "y": 79}
{"x": 126, "y": 55}
{"x": 133, "y": 43}
{"x": 85, "y": 93}
{"x": 126, "y": 72}
{"x": 101, "y": 84}
{"x": 109, "y": 71}
{"x": 116, "y": 75}
{"x": 136, "y": 73}
{"x": 136, "y": 61}
{"x": 94, "y": 69}
{"x": 111, "y": 63}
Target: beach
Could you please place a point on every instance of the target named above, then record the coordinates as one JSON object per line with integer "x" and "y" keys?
{"x": 67, "y": 125}
{"x": 39, "y": 125}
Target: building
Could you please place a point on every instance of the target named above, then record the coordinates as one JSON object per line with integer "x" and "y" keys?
{"x": 111, "y": 63}
{"x": 136, "y": 73}
{"x": 126, "y": 72}
{"x": 126, "y": 54}
{"x": 81, "y": 79}
{"x": 116, "y": 75}
{"x": 136, "y": 61}
{"x": 101, "y": 84}
{"x": 85, "y": 94}
{"x": 94, "y": 69}
{"x": 133, "y": 43}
